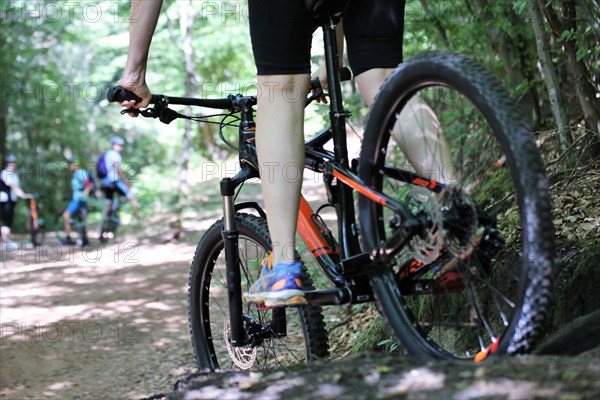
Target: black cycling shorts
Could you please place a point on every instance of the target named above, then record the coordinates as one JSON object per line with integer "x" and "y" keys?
{"x": 112, "y": 189}
{"x": 281, "y": 33}
{"x": 7, "y": 209}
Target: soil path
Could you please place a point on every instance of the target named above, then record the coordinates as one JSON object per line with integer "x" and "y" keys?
{"x": 106, "y": 322}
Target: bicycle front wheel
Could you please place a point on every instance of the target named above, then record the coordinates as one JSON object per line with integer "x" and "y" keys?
{"x": 477, "y": 281}
{"x": 303, "y": 337}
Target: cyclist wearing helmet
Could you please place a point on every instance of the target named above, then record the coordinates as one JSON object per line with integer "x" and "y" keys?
{"x": 115, "y": 180}
{"x": 81, "y": 184}
{"x": 10, "y": 190}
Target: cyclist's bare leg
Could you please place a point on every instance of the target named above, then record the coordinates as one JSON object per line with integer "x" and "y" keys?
{"x": 67, "y": 218}
{"x": 134, "y": 205}
{"x": 420, "y": 137}
{"x": 280, "y": 148}
{"x": 417, "y": 132}
{"x": 5, "y": 230}
{"x": 369, "y": 82}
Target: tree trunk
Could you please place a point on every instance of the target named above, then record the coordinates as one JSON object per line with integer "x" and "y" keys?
{"x": 3, "y": 105}
{"x": 592, "y": 11}
{"x": 584, "y": 90}
{"x": 186, "y": 12}
{"x": 549, "y": 74}
{"x": 438, "y": 24}
{"x": 509, "y": 50}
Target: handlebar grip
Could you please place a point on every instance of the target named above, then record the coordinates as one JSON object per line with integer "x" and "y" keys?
{"x": 119, "y": 94}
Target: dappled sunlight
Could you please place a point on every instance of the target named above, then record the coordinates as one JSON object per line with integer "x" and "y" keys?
{"x": 17, "y": 292}
{"x": 14, "y": 319}
{"x": 161, "y": 342}
{"x": 58, "y": 386}
{"x": 418, "y": 379}
{"x": 507, "y": 389}
{"x": 158, "y": 306}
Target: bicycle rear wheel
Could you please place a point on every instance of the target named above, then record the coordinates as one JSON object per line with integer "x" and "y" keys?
{"x": 305, "y": 337}
{"x": 478, "y": 280}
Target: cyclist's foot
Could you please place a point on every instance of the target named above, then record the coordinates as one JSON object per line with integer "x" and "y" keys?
{"x": 82, "y": 242}
{"x": 67, "y": 241}
{"x": 278, "y": 286}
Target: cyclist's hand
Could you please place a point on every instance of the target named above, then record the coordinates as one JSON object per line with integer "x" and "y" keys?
{"x": 140, "y": 89}
{"x": 321, "y": 74}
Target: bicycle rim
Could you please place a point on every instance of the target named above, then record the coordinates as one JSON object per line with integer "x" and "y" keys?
{"x": 481, "y": 280}
{"x": 305, "y": 337}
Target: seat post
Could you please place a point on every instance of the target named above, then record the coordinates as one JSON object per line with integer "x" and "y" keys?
{"x": 336, "y": 110}
{"x": 337, "y": 114}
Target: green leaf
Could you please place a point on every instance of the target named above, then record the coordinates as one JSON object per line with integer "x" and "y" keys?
{"x": 582, "y": 52}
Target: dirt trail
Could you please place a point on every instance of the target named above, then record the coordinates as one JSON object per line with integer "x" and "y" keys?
{"x": 107, "y": 322}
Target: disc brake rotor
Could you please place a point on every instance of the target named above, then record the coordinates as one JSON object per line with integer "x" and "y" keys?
{"x": 244, "y": 356}
{"x": 425, "y": 248}
{"x": 460, "y": 222}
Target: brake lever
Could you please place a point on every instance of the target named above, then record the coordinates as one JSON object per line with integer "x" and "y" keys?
{"x": 146, "y": 112}
{"x": 318, "y": 93}
{"x": 130, "y": 111}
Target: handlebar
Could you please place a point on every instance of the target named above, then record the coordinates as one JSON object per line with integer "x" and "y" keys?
{"x": 120, "y": 94}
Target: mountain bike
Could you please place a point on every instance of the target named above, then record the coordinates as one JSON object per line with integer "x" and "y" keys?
{"x": 36, "y": 224}
{"x": 459, "y": 269}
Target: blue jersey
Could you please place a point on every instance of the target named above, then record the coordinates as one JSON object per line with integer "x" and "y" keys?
{"x": 81, "y": 179}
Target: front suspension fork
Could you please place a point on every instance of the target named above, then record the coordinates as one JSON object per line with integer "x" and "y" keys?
{"x": 234, "y": 280}
{"x": 230, "y": 236}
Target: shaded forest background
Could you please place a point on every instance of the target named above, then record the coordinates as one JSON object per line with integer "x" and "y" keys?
{"x": 59, "y": 58}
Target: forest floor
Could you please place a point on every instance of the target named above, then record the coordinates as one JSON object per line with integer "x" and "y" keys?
{"x": 111, "y": 322}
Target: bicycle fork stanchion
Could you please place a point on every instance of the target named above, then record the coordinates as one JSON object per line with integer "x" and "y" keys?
{"x": 234, "y": 279}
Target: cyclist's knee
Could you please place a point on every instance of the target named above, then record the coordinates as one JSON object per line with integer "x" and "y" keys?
{"x": 369, "y": 82}
{"x": 289, "y": 87}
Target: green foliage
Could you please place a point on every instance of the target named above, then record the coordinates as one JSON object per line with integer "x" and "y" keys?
{"x": 57, "y": 59}
{"x": 576, "y": 287}
{"x": 374, "y": 337}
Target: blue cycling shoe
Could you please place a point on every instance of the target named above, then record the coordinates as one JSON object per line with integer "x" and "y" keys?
{"x": 278, "y": 286}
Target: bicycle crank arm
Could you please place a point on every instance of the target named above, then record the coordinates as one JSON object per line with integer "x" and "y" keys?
{"x": 328, "y": 297}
